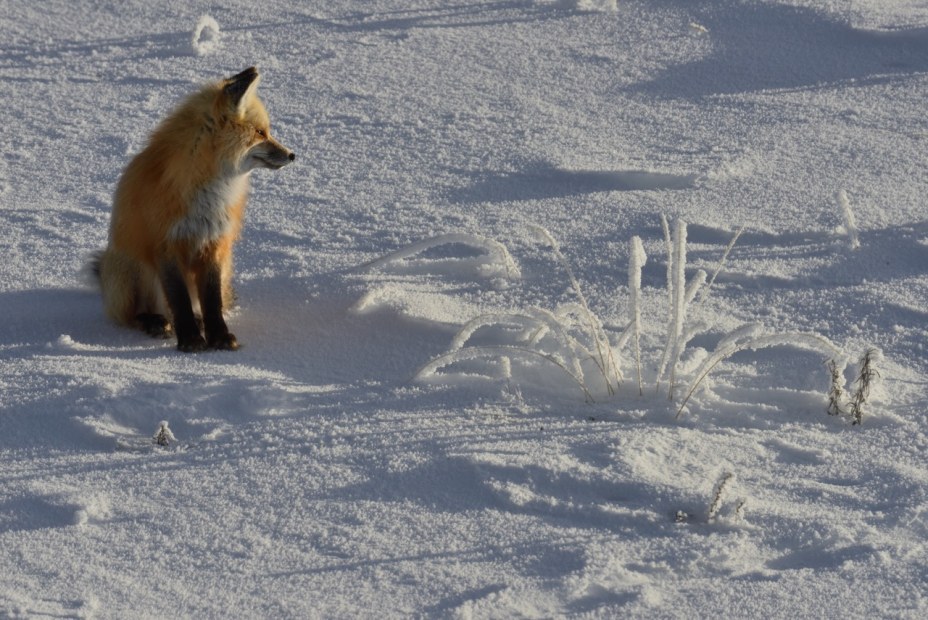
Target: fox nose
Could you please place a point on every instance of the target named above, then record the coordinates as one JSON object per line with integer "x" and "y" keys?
{"x": 292, "y": 156}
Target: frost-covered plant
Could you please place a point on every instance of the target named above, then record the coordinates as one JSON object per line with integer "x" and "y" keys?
{"x": 495, "y": 351}
{"x": 573, "y": 338}
{"x": 836, "y": 389}
{"x": 605, "y": 358}
{"x": 718, "y": 495}
{"x": 669, "y": 245}
{"x": 538, "y": 329}
{"x": 536, "y": 334}
{"x": 555, "y": 336}
{"x": 681, "y": 297}
{"x": 865, "y": 380}
{"x": 850, "y": 223}
{"x": 739, "y": 509}
{"x": 163, "y": 436}
{"x": 676, "y": 271}
{"x": 720, "y": 264}
{"x": 636, "y": 261}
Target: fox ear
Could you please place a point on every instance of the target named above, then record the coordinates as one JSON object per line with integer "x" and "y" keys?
{"x": 240, "y": 87}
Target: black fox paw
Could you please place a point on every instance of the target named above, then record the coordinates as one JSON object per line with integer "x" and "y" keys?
{"x": 155, "y": 325}
{"x": 226, "y": 342}
{"x": 192, "y": 344}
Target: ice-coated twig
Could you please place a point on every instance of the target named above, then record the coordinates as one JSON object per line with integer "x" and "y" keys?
{"x": 604, "y": 352}
{"x": 679, "y": 287}
{"x": 739, "y": 509}
{"x": 676, "y": 284}
{"x": 718, "y": 268}
{"x": 850, "y": 223}
{"x": 470, "y": 353}
{"x": 163, "y": 436}
{"x": 718, "y": 495}
{"x": 537, "y": 323}
{"x": 668, "y": 344}
{"x": 692, "y": 288}
{"x": 865, "y": 380}
{"x": 636, "y": 261}
{"x": 698, "y": 279}
{"x": 836, "y": 387}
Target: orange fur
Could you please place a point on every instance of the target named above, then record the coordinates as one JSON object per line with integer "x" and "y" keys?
{"x": 180, "y": 202}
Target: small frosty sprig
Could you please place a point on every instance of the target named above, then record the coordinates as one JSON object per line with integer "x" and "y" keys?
{"x": 718, "y": 495}
{"x": 836, "y": 391}
{"x": 865, "y": 380}
{"x": 163, "y": 437}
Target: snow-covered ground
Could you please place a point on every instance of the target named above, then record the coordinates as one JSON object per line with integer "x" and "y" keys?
{"x": 361, "y": 456}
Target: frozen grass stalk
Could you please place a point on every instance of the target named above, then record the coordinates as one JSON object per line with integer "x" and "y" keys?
{"x": 636, "y": 261}
{"x": 537, "y": 323}
{"x": 675, "y": 281}
{"x": 606, "y": 360}
{"x": 668, "y": 244}
{"x": 718, "y": 495}
{"x": 495, "y": 255}
{"x": 836, "y": 391}
{"x": 721, "y": 263}
{"x": 850, "y": 224}
{"x": 739, "y": 509}
{"x": 164, "y": 436}
{"x": 496, "y": 351}
{"x": 865, "y": 381}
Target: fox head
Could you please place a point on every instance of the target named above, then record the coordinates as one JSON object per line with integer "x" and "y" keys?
{"x": 245, "y": 125}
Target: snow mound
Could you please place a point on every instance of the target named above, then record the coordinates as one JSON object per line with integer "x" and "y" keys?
{"x": 205, "y": 36}
{"x": 455, "y": 254}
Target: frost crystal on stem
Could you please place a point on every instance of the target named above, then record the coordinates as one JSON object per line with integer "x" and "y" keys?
{"x": 850, "y": 223}
{"x": 836, "y": 391}
{"x": 636, "y": 261}
{"x": 865, "y": 381}
{"x": 164, "y": 436}
{"x": 605, "y": 359}
{"x": 719, "y": 494}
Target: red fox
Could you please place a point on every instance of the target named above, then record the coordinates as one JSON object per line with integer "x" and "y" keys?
{"x": 178, "y": 211}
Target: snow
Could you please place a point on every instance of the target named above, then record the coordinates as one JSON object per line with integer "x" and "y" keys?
{"x": 402, "y": 433}
{"x": 205, "y": 36}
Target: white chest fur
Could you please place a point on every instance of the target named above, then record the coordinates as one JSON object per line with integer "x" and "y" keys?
{"x": 208, "y": 217}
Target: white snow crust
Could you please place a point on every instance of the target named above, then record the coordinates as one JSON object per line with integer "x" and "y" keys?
{"x": 417, "y": 423}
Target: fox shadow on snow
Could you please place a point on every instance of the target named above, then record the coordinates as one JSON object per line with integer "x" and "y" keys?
{"x": 92, "y": 380}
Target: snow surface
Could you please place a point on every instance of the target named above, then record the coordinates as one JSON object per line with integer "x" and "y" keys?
{"x": 347, "y": 461}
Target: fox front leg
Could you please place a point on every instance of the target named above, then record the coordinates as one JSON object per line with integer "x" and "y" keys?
{"x": 209, "y": 285}
{"x": 189, "y": 338}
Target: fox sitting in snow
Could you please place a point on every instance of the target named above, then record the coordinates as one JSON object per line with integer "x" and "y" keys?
{"x": 178, "y": 211}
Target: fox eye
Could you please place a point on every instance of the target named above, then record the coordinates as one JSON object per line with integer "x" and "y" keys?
{"x": 261, "y": 133}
